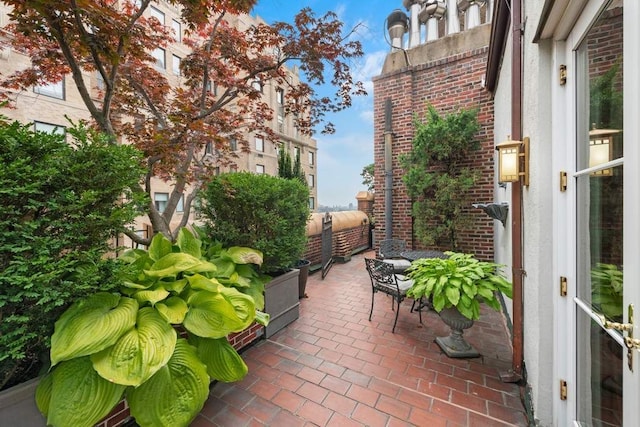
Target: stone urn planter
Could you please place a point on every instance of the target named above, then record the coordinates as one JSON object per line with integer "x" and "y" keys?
{"x": 281, "y": 301}
{"x": 455, "y": 345}
{"x": 18, "y": 406}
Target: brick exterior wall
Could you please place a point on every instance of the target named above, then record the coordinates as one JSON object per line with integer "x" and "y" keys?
{"x": 448, "y": 83}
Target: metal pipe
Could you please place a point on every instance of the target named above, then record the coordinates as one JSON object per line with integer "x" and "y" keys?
{"x": 388, "y": 171}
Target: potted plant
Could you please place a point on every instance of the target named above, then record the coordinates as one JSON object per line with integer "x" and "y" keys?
{"x": 456, "y": 286}
{"x": 270, "y": 214}
{"x": 131, "y": 343}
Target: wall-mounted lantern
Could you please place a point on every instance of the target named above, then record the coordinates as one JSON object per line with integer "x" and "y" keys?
{"x": 601, "y": 149}
{"x": 513, "y": 161}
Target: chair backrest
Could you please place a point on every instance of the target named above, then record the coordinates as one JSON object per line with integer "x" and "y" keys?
{"x": 391, "y": 248}
{"x": 382, "y": 277}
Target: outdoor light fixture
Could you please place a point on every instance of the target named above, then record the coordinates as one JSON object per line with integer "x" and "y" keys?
{"x": 513, "y": 161}
{"x": 601, "y": 149}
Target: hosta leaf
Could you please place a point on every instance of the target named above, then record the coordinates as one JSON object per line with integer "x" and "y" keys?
{"x": 139, "y": 353}
{"x": 43, "y": 394}
{"x": 241, "y": 255}
{"x": 159, "y": 247}
{"x": 173, "y": 309}
{"x": 225, "y": 267}
{"x": 175, "y": 394}
{"x": 453, "y": 294}
{"x": 188, "y": 243}
{"x": 486, "y": 293}
{"x": 199, "y": 282}
{"x": 262, "y": 318}
{"x": 214, "y": 315}
{"x": 222, "y": 360}
{"x": 203, "y": 267}
{"x": 176, "y": 286}
{"x": 91, "y": 325}
{"x": 79, "y": 396}
{"x": 152, "y": 296}
{"x": 172, "y": 264}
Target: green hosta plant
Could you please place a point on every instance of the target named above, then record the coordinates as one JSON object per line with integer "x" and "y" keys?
{"x": 606, "y": 290}
{"x": 460, "y": 281}
{"x": 111, "y": 345}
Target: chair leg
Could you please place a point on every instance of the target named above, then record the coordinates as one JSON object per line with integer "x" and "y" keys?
{"x": 396, "y": 321}
{"x": 371, "y": 311}
{"x": 419, "y": 311}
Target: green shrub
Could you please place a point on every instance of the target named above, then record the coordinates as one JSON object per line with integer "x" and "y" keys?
{"x": 264, "y": 212}
{"x": 60, "y": 205}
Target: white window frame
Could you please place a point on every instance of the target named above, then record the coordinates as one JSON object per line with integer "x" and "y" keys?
{"x": 312, "y": 203}
{"x": 157, "y": 13}
{"x": 49, "y": 128}
{"x": 176, "y": 26}
{"x": 52, "y": 90}
{"x": 312, "y": 158}
{"x": 311, "y": 180}
{"x": 260, "y": 169}
{"x": 175, "y": 64}
{"x": 160, "y": 55}
{"x": 259, "y": 141}
{"x": 158, "y": 199}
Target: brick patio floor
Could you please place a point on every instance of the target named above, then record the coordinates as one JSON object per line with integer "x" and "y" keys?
{"x": 332, "y": 367}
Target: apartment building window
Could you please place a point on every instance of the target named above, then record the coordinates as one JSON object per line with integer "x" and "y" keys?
{"x": 312, "y": 203}
{"x": 158, "y": 14}
{"x": 311, "y": 180}
{"x": 259, "y": 143}
{"x": 280, "y": 101}
{"x": 160, "y": 200}
{"x": 49, "y": 128}
{"x": 257, "y": 85}
{"x": 212, "y": 87}
{"x": 176, "y": 26}
{"x": 208, "y": 149}
{"x": 180, "y": 205}
{"x": 296, "y": 153}
{"x": 233, "y": 144}
{"x": 259, "y": 168}
{"x": 159, "y": 55}
{"x": 99, "y": 81}
{"x": 312, "y": 158}
{"x": 54, "y": 90}
{"x": 176, "y": 65}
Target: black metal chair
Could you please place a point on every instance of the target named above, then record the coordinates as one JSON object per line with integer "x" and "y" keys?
{"x": 391, "y": 251}
{"x": 383, "y": 279}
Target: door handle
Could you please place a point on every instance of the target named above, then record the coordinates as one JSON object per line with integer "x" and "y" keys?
{"x": 630, "y": 342}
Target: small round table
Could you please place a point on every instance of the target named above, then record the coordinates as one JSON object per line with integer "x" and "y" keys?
{"x": 414, "y": 255}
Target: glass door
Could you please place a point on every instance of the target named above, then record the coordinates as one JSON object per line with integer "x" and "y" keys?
{"x": 604, "y": 298}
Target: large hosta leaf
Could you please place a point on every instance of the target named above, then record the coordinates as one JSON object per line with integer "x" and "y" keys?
{"x": 241, "y": 255}
{"x": 188, "y": 243}
{"x": 173, "y": 309}
{"x": 160, "y": 246}
{"x": 43, "y": 394}
{"x": 200, "y": 282}
{"x": 152, "y": 296}
{"x": 175, "y": 394}
{"x": 172, "y": 264}
{"x": 222, "y": 360}
{"x": 214, "y": 315}
{"x": 91, "y": 325}
{"x": 139, "y": 353}
{"x": 79, "y": 396}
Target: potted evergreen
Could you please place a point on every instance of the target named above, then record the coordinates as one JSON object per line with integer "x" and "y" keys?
{"x": 270, "y": 214}
{"x": 456, "y": 286}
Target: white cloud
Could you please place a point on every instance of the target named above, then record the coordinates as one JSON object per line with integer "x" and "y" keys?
{"x": 369, "y": 67}
{"x": 367, "y": 116}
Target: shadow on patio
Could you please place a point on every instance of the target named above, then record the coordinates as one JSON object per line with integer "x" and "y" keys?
{"x": 332, "y": 367}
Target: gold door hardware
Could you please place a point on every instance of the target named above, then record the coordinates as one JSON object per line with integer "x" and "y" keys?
{"x": 563, "y": 181}
{"x": 563, "y": 390}
{"x": 563, "y": 286}
{"x": 631, "y": 343}
{"x": 563, "y": 75}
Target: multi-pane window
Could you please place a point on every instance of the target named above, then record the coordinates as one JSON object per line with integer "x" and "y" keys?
{"x": 212, "y": 87}
{"x": 259, "y": 143}
{"x": 176, "y": 65}
{"x": 49, "y": 128}
{"x": 312, "y": 158}
{"x": 233, "y": 144}
{"x": 312, "y": 203}
{"x": 180, "y": 205}
{"x": 257, "y": 85}
{"x": 159, "y": 55}
{"x": 259, "y": 168}
{"x": 99, "y": 81}
{"x": 296, "y": 153}
{"x": 54, "y": 90}
{"x": 311, "y": 180}
{"x": 208, "y": 149}
{"x": 280, "y": 101}
{"x": 161, "y": 200}
{"x": 155, "y": 13}
{"x": 177, "y": 30}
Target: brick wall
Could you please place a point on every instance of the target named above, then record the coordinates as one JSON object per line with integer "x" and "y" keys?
{"x": 448, "y": 83}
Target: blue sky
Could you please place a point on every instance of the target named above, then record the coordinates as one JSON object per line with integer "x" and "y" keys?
{"x": 342, "y": 156}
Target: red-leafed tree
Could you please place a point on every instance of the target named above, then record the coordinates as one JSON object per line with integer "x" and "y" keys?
{"x": 172, "y": 124}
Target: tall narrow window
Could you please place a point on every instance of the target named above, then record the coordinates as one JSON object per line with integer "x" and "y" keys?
{"x": 177, "y": 30}
{"x": 260, "y": 169}
{"x": 312, "y": 158}
{"x": 54, "y": 90}
{"x": 161, "y": 200}
{"x": 280, "y": 102}
{"x": 158, "y": 14}
{"x": 233, "y": 144}
{"x": 159, "y": 55}
{"x": 176, "y": 65}
{"x": 259, "y": 143}
{"x": 312, "y": 181}
{"x": 312, "y": 203}
{"x": 180, "y": 205}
